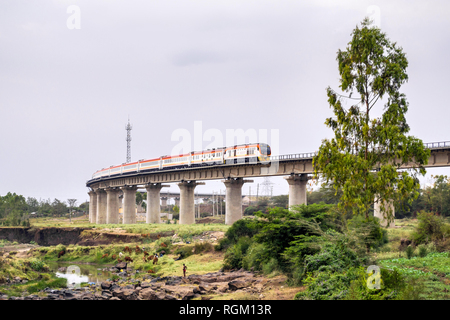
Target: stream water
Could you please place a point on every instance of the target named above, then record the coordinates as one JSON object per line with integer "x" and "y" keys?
{"x": 77, "y": 273}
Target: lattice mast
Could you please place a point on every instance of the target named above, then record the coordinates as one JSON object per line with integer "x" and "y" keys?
{"x": 267, "y": 187}
{"x": 128, "y": 128}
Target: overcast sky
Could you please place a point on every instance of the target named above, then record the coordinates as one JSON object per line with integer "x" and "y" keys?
{"x": 73, "y": 71}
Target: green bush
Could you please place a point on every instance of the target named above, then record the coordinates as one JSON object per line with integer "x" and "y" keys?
{"x": 37, "y": 265}
{"x": 368, "y": 230}
{"x": 255, "y": 257}
{"x": 235, "y": 254}
{"x": 409, "y": 252}
{"x": 422, "y": 250}
{"x": 184, "y": 252}
{"x": 431, "y": 228}
{"x": 203, "y": 247}
{"x": 241, "y": 228}
{"x": 270, "y": 266}
{"x": 351, "y": 284}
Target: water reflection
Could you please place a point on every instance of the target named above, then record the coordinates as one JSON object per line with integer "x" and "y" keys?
{"x": 86, "y": 273}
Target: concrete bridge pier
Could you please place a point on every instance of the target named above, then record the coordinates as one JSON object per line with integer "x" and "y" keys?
{"x": 233, "y": 204}
{"x": 112, "y": 205}
{"x": 177, "y": 201}
{"x": 378, "y": 213}
{"x": 92, "y": 206}
{"x": 101, "y": 206}
{"x": 164, "y": 201}
{"x": 153, "y": 206}
{"x": 129, "y": 204}
{"x": 187, "y": 201}
{"x": 297, "y": 189}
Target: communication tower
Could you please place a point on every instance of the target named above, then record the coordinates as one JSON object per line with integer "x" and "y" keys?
{"x": 128, "y": 128}
{"x": 267, "y": 187}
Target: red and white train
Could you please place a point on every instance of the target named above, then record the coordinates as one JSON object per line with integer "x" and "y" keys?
{"x": 238, "y": 154}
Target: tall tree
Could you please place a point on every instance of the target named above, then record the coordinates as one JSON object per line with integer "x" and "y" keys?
{"x": 366, "y": 153}
{"x": 140, "y": 197}
{"x": 71, "y": 203}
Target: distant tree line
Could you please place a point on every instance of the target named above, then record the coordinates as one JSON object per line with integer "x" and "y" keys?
{"x": 434, "y": 198}
{"x": 15, "y": 210}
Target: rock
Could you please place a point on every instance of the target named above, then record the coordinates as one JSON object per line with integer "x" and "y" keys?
{"x": 105, "y": 285}
{"x": 150, "y": 294}
{"x": 125, "y": 294}
{"x": 121, "y": 265}
{"x": 113, "y": 286}
{"x": 107, "y": 294}
{"x": 145, "y": 285}
{"x": 62, "y": 269}
{"x": 114, "y": 298}
{"x": 188, "y": 296}
{"x": 184, "y": 292}
{"x": 240, "y": 284}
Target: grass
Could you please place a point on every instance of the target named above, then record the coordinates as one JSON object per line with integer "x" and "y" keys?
{"x": 431, "y": 272}
{"x": 33, "y": 286}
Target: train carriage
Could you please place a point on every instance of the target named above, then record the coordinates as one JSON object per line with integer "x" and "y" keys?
{"x": 238, "y": 154}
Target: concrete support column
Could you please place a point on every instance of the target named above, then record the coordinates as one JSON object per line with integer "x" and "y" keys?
{"x": 297, "y": 189}
{"x": 187, "y": 202}
{"x": 177, "y": 201}
{"x": 233, "y": 204}
{"x": 164, "y": 201}
{"x": 378, "y": 213}
{"x": 129, "y": 204}
{"x": 92, "y": 206}
{"x": 112, "y": 205}
{"x": 101, "y": 206}
{"x": 153, "y": 206}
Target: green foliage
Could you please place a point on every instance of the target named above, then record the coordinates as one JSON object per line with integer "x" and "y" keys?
{"x": 235, "y": 254}
{"x": 241, "y": 228}
{"x": 60, "y": 247}
{"x": 250, "y": 211}
{"x": 255, "y": 257}
{"x": 202, "y": 247}
{"x": 327, "y": 285}
{"x": 351, "y": 284}
{"x": 374, "y": 67}
{"x": 184, "y": 251}
{"x": 409, "y": 251}
{"x": 431, "y": 228}
{"x": 281, "y": 201}
{"x": 37, "y": 265}
{"x": 368, "y": 230}
{"x": 422, "y": 251}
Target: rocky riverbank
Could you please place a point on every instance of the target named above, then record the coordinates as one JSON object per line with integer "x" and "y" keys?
{"x": 158, "y": 288}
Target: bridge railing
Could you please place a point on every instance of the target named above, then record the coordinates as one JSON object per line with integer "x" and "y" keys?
{"x": 431, "y": 145}
{"x": 309, "y": 155}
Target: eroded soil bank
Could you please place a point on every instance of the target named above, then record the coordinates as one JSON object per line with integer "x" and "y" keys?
{"x": 81, "y": 236}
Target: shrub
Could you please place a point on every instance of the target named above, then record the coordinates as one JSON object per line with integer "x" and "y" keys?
{"x": 270, "y": 266}
{"x": 242, "y": 228}
{"x": 202, "y": 247}
{"x": 235, "y": 254}
{"x": 430, "y": 228}
{"x": 255, "y": 257}
{"x": 422, "y": 250}
{"x": 37, "y": 265}
{"x": 409, "y": 252}
{"x": 368, "y": 230}
{"x": 184, "y": 251}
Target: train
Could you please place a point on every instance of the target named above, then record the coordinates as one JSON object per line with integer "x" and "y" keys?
{"x": 237, "y": 154}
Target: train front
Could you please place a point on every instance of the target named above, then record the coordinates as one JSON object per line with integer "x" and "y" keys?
{"x": 265, "y": 152}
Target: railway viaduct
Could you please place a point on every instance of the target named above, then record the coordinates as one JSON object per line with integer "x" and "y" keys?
{"x": 297, "y": 168}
